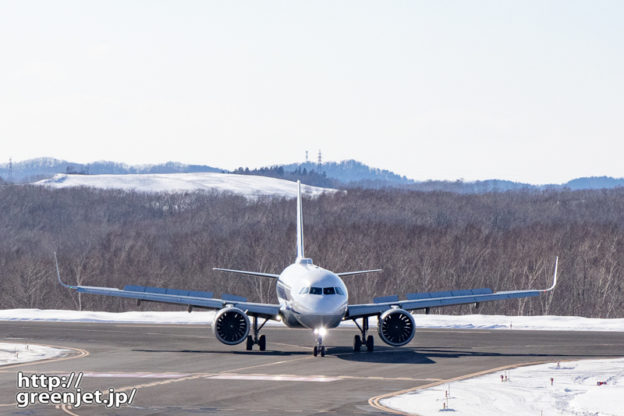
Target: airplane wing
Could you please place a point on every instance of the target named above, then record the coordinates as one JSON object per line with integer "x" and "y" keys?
{"x": 271, "y": 275}
{"x": 343, "y": 274}
{"x": 204, "y": 300}
{"x": 416, "y": 301}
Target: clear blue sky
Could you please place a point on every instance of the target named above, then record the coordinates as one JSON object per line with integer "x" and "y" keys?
{"x": 523, "y": 90}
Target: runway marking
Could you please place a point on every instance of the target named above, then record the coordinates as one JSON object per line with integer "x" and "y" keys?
{"x": 272, "y": 363}
{"x": 135, "y": 375}
{"x": 269, "y": 377}
{"x": 293, "y": 345}
{"x": 65, "y": 408}
{"x": 160, "y": 383}
{"x": 231, "y": 375}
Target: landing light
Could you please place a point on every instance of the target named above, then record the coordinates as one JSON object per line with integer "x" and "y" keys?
{"x": 320, "y": 331}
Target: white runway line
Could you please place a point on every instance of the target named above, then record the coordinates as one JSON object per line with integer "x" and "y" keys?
{"x": 268, "y": 377}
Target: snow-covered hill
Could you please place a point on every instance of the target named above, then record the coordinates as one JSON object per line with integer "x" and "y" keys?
{"x": 247, "y": 185}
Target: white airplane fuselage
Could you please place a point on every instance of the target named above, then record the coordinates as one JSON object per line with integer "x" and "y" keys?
{"x": 310, "y": 296}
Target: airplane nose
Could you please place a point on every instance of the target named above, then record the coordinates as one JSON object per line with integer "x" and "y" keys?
{"x": 329, "y": 305}
{"x": 325, "y": 311}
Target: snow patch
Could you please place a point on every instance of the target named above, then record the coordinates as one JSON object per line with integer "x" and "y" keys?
{"x": 250, "y": 186}
{"x": 539, "y": 323}
{"x": 527, "y": 391}
{"x": 59, "y": 315}
{"x": 11, "y": 353}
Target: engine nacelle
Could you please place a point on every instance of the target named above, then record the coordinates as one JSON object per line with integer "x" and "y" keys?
{"x": 396, "y": 327}
{"x": 231, "y": 326}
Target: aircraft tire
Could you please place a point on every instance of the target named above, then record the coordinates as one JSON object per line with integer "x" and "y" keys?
{"x": 357, "y": 343}
{"x": 262, "y": 342}
{"x": 370, "y": 343}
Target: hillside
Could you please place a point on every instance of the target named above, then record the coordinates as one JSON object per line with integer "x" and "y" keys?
{"x": 345, "y": 174}
{"x": 351, "y": 172}
{"x": 247, "y": 185}
{"x": 46, "y": 167}
{"x": 423, "y": 241}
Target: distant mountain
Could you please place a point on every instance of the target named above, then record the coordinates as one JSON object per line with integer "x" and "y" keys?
{"x": 351, "y": 172}
{"x": 45, "y": 167}
{"x": 345, "y": 174}
{"x": 595, "y": 182}
{"x": 495, "y": 185}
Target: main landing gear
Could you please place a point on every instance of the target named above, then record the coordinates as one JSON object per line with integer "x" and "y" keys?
{"x": 260, "y": 341}
{"x": 358, "y": 341}
{"x": 319, "y": 348}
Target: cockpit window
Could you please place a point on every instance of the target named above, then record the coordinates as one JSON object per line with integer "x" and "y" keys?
{"x": 316, "y": 291}
{"x": 321, "y": 291}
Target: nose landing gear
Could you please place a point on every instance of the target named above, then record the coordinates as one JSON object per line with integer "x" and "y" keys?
{"x": 319, "y": 348}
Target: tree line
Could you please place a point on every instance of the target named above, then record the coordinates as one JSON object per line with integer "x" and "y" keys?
{"x": 424, "y": 241}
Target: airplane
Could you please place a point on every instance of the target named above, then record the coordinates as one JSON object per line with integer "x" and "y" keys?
{"x": 310, "y": 297}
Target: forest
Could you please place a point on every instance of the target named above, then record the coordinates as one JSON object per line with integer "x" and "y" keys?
{"x": 424, "y": 241}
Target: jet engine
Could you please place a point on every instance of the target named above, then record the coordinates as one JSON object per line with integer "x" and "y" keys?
{"x": 231, "y": 326}
{"x": 396, "y": 327}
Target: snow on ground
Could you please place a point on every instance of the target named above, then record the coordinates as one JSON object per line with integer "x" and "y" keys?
{"x": 248, "y": 185}
{"x": 528, "y": 391}
{"x": 11, "y": 353}
{"x": 57, "y": 315}
{"x": 541, "y": 323}
{"x": 553, "y": 323}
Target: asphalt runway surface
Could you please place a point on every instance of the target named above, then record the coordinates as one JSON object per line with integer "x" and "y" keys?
{"x": 184, "y": 370}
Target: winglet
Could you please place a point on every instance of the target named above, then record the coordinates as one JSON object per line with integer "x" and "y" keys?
{"x": 58, "y": 274}
{"x": 554, "y": 276}
{"x": 300, "y": 254}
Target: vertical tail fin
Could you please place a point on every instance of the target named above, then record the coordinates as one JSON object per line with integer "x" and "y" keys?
{"x": 300, "y": 254}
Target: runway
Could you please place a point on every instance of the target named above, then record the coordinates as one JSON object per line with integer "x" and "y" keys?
{"x": 184, "y": 370}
